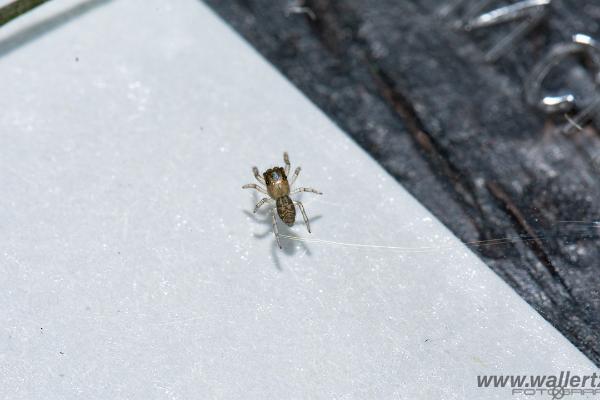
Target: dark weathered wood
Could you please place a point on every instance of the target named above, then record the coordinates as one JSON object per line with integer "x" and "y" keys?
{"x": 416, "y": 93}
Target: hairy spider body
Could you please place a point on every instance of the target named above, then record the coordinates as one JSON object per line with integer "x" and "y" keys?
{"x": 286, "y": 210}
{"x": 278, "y": 188}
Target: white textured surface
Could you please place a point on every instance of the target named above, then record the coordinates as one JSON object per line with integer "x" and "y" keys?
{"x": 130, "y": 267}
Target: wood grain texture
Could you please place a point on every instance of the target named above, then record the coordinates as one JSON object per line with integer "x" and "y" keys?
{"x": 416, "y": 93}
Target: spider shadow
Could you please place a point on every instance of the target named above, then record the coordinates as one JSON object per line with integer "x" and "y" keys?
{"x": 289, "y": 247}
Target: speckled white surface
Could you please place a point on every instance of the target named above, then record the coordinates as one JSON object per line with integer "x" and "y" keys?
{"x": 131, "y": 267}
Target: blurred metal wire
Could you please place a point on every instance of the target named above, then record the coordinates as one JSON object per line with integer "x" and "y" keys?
{"x": 17, "y": 8}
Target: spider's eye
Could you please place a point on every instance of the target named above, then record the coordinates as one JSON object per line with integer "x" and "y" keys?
{"x": 275, "y": 176}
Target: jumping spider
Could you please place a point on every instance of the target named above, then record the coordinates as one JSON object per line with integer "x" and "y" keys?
{"x": 278, "y": 188}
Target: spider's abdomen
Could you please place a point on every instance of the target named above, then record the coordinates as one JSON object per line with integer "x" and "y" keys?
{"x": 286, "y": 210}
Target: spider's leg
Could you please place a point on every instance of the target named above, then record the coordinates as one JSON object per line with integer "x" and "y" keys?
{"x": 275, "y": 230}
{"x": 286, "y": 160}
{"x": 257, "y": 175}
{"x": 301, "y": 207}
{"x": 255, "y": 186}
{"x": 296, "y": 173}
{"x": 261, "y": 202}
{"x": 305, "y": 189}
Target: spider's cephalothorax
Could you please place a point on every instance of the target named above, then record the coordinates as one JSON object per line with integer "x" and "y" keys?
{"x": 276, "y": 185}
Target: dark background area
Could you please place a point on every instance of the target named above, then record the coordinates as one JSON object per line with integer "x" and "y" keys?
{"x": 415, "y": 91}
